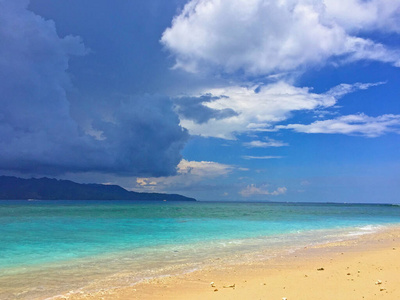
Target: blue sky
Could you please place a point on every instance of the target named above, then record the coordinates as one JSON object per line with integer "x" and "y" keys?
{"x": 293, "y": 100}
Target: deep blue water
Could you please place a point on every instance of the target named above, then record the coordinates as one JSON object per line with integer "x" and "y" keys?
{"x": 100, "y": 239}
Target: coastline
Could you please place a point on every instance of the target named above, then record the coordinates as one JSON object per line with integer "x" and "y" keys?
{"x": 363, "y": 267}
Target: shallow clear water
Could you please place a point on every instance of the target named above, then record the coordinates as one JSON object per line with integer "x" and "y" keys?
{"x": 122, "y": 241}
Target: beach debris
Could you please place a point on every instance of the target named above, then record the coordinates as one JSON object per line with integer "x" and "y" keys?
{"x": 229, "y": 286}
{"x": 320, "y": 269}
{"x": 382, "y": 289}
{"x": 212, "y": 284}
{"x": 284, "y": 298}
{"x": 378, "y": 282}
{"x": 348, "y": 274}
{"x": 306, "y": 275}
{"x": 216, "y": 290}
{"x": 358, "y": 271}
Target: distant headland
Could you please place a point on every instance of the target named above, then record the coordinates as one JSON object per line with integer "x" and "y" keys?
{"x": 13, "y": 188}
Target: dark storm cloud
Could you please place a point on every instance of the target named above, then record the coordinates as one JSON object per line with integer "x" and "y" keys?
{"x": 192, "y": 108}
{"x": 141, "y": 134}
{"x": 137, "y": 136}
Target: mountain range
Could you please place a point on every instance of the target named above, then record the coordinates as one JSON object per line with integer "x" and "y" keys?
{"x": 14, "y": 188}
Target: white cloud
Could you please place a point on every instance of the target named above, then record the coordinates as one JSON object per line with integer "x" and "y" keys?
{"x": 269, "y": 36}
{"x": 258, "y": 108}
{"x": 356, "y": 15}
{"x": 189, "y": 172}
{"x": 359, "y": 124}
{"x": 203, "y": 168}
{"x": 252, "y": 189}
{"x": 344, "y": 88}
{"x": 261, "y": 157}
{"x": 266, "y": 144}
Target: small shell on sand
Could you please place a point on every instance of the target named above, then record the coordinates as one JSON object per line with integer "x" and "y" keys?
{"x": 378, "y": 282}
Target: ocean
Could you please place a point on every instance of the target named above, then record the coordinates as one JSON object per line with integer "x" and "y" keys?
{"x": 48, "y": 248}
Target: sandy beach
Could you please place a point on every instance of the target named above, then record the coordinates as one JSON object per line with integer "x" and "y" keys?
{"x": 365, "y": 267}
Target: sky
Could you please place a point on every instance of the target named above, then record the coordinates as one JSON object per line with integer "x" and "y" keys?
{"x": 220, "y": 100}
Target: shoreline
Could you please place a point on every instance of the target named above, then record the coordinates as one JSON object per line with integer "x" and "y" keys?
{"x": 363, "y": 267}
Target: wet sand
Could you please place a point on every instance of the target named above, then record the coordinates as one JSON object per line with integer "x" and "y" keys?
{"x": 366, "y": 267}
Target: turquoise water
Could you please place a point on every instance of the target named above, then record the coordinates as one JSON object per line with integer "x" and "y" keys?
{"x": 104, "y": 239}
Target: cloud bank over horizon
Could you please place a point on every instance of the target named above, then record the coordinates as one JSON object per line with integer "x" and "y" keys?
{"x": 252, "y": 190}
{"x": 189, "y": 174}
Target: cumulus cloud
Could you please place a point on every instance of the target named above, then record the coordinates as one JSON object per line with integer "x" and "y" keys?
{"x": 142, "y": 136}
{"x": 257, "y": 108}
{"x": 356, "y": 15}
{"x": 262, "y": 37}
{"x": 252, "y": 190}
{"x": 188, "y": 173}
{"x": 137, "y": 136}
{"x": 359, "y": 124}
